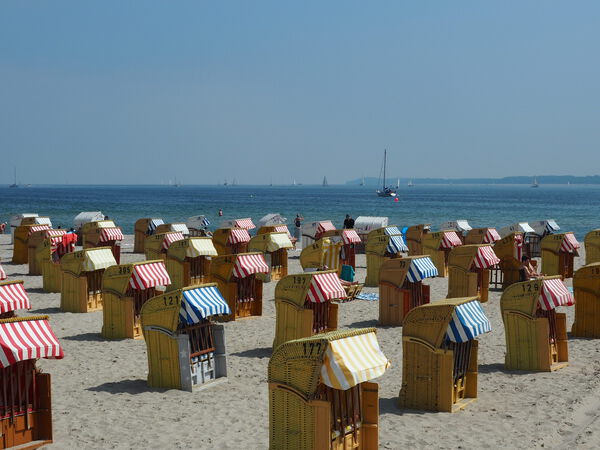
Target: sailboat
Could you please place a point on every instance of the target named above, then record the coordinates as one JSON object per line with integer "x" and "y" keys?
{"x": 325, "y": 184}
{"x": 225, "y": 184}
{"x": 398, "y": 183}
{"x": 294, "y": 182}
{"x": 410, "y": 183}
{"x": 15, "y": 185}
{"x": 535, "y": 183}
{"x": 385, "y": 191}
{"x": 362, "y": 182}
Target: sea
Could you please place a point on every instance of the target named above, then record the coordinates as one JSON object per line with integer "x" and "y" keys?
{"x": 576, "y": 208}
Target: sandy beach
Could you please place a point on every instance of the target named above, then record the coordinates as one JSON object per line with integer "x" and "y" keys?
{"x": 101, "y": 399}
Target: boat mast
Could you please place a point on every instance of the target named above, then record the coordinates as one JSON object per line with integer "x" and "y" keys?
{"x": 384, "y": 163}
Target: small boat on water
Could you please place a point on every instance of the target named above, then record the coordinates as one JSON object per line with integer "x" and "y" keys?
{"x": 410, "y": 183}
{"x": 325, "y": 183}
{"x": 362, "y": 182}
{"x": 535, "y": 183}
{"x": 385, "y": 191}
{"x": 14, "y": 185}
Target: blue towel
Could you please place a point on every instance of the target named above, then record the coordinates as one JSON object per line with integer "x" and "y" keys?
{"x": 369, "y": 296}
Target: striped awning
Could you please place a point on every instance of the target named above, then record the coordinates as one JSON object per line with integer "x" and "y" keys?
{"x": 181, "y": 227}
{"x": 153, "y": 224}
{"x": 392, "y": 231}
{"x": 551, "y": 226}
{"x": 245, "y": 223}
{"x": 2, "y": 274}
{"x": 491, "y": 236}
{"x": 111, "y": 234}
{"x": 450, "y": 240}
{"x": 13, "y": 297}
{"x": 350, "y": 237}
{"x": 396, "y": 245}
{"x": 35, "y": 228}
{"x": 421, "y": 268}
{"x": 21, "y": 340}
{"x": 200, "y": 303}
{"x": 200, "y": 247}
{"x": 485, "y": 258}
{"x": 353, "y": 360}
{"x": 518, "y": 247}
{"x": 325, "y": 286}
{"x": 246, "y": 265}
{"x": 238, "y": 235}
{"x": 282, "y": 229}
{"x": 277, "y": 241}
{"x": 468, "y": 321}
{"x": 98, "y": 259}
{"x": 149, "y": 275}
{"x": 569, "y": 243}
{"x": 555, "y": 293}
{"x": 324, "y": 226}
{"x": 172, "y": 236}
{"x": 43, "y": 221}
{"x": 55, "y": 233}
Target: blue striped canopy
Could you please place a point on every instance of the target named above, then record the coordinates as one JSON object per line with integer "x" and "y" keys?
{"x": 390, "y": 231}
{"x": 200, "y": 303}
{"x": 153, "y": 224}
{"x": 421, "y": 268}
{"x": 396, "y": 245}
{"x": 468, "y": 322}
{"x": 551, "y": 226}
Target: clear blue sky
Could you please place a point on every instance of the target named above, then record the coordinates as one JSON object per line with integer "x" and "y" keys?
{"x": 138, "y": 92}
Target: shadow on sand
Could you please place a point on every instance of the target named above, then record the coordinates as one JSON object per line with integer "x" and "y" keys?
{"x": 264, "y": 352}
{"x": 390, "y": 406}
{"x": 89, "y": 337}
{"x": 125, "y": 387}
{"x": 364, "y": 324}
{"x": 51, "y": 310}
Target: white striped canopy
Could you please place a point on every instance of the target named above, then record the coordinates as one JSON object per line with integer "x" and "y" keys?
{"x": 392, "y": 231}
{"x": 27, "y": 339}
{"x": 200, "y": 247}
{"x": 569, "y": 243}
{"x": 396, "y": 245}
{"x": 331, "y": 255}
{"x": 238, "y": 235}
{"x": 111, "y": 234}
{"x": 55, "y": 233}
{"x": 43, "y": 221}
{"x": 149, "y": 275}
{"x": 170, "y": 237}
{"x": 468, "y": 321}
{"x": 485, "y": 257}
{"x": 353, "y": 360}
{"x": 325, "y": 225}
{"x": 421, "y": 268}
{"x": 200, "y": 303}
{"x": 153, "y": 224}
{"x": 246, "y": 265}
{"x": 181, "y": 227}
{"x": 325, "y": 286}
{"x": 491, "y": 236}
{"x": 555, "y": 293}
{"x": 350, "y": 237}
{"x": 518, "y": 247}
{"x": 282, "y": 229}
{"x": 2, "y": 274}
{"x": 450, "y": 240}
{"x": 35, "y": 228}
{"x": 245, "y": 223}
{"x": 98, "y": 259}
{"x": 13, "y": 297}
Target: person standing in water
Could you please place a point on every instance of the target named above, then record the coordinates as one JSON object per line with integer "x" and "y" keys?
{"x": 220, "y": 212}
{"x": 298, "y": 224}
{"x": 348, "y": 222}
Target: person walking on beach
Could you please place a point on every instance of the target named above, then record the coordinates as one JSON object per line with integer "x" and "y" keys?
{"x": 348, "y": 222}
{"x": 298, "y": 224}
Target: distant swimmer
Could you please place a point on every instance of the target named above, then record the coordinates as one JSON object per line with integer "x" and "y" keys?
{"x": 220, "y": 212}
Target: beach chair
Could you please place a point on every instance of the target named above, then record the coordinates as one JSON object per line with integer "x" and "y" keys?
{"x": 12, "y": 297}
{"x": 198, "y": 226}
{"x": 240, "y": 281}
{"x": 414, "y": 238}
{"x": 382, "y": 244}
{"x": 49, "y": 256}
{"x": 510, "y": 251}
{"x": 586, "y": 284}
{"x": 352, "y": 290}
{"x": 274, "y": 247}
{"x": 438, "y": 246}
{"x": 461, "y": 227}
{"x": 531, "y": 245}
{"x": 487, "y": 235}
{"x": 35, "y": 241}
{"x": 157, "y": 245}
{"x": 103, "y": 233}
{"x": 468, "y": 271}
{"x": 125, "y": 289}
{"x": 21, "y": 241}
{"x": 313, "y": 231}
{"x": 439, "y": 354}
{"x": 25, "y": 392}
{"x": 2, "y": 273}
{"x": 17, "y": 220}
{"x": 541, "y": 229}
{"x": 363, "y": 225}
{"x": 185, "y": 348}
{"x": 281, "y": 228}
{"x": 324, "y": 254}
{"x": 304, "y": 305}
{"x": 401, "y": 287}
{"x": 231, "y": 241}
{"x": 143, "y": 228}
{"x": 246, "y": 224}
{"x": 558, "y": 254}
{"x": 349, "y": 239}
{"x": 188, "y": 261}
{"x": 178, "y": 227}
{"x": 592, "y": 247}
{"x": 536, "y": 335}
{"x": 320, "y": 391}
{"x": 81, "y": 286}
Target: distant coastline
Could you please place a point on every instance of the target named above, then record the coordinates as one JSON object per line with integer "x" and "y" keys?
{"x": 543, "y": 179}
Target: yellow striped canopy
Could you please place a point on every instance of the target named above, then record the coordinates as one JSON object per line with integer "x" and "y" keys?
{"x": 201, "y": 247}
{"x": 331, "y": 254}
{"x": 353, "y": 360}
{"x": 97, "y": 259}
{"x": 278, "y": 241}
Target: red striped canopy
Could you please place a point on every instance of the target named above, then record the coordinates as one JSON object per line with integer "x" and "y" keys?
{"x": 325, "y": 286}
{"x": 111, "y": 234}
{"x": 282, "y": 229}
{"x": 485, "y": 258}
{"x": 149, "y": 275}
{"x": 518, "y": 247}
{"x": 555, "y": 293}
{"x": 350, "y": 237}
{"x": 491, "y": 236}
{"x": 569, "y": 243}
{"x": 248, "y": 264}
{"x": 13, "y": 297}
{"x": 55, "y": 233}
{"x": 171, "y": 237}
{"x": 2, "y": 274}
{"x": 35, "y": 228}
{"x": 324, "y": 226}
{"x": 238, "y": 235}
{"x": 21, "y": 340}
{"x": 245, "y": 223}
{"x": 450, "y": 240}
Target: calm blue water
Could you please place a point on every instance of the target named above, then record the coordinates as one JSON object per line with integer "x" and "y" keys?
{"x": 576, "y": 208}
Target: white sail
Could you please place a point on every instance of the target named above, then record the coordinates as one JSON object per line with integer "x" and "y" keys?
{"x": 325, "y": 181}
